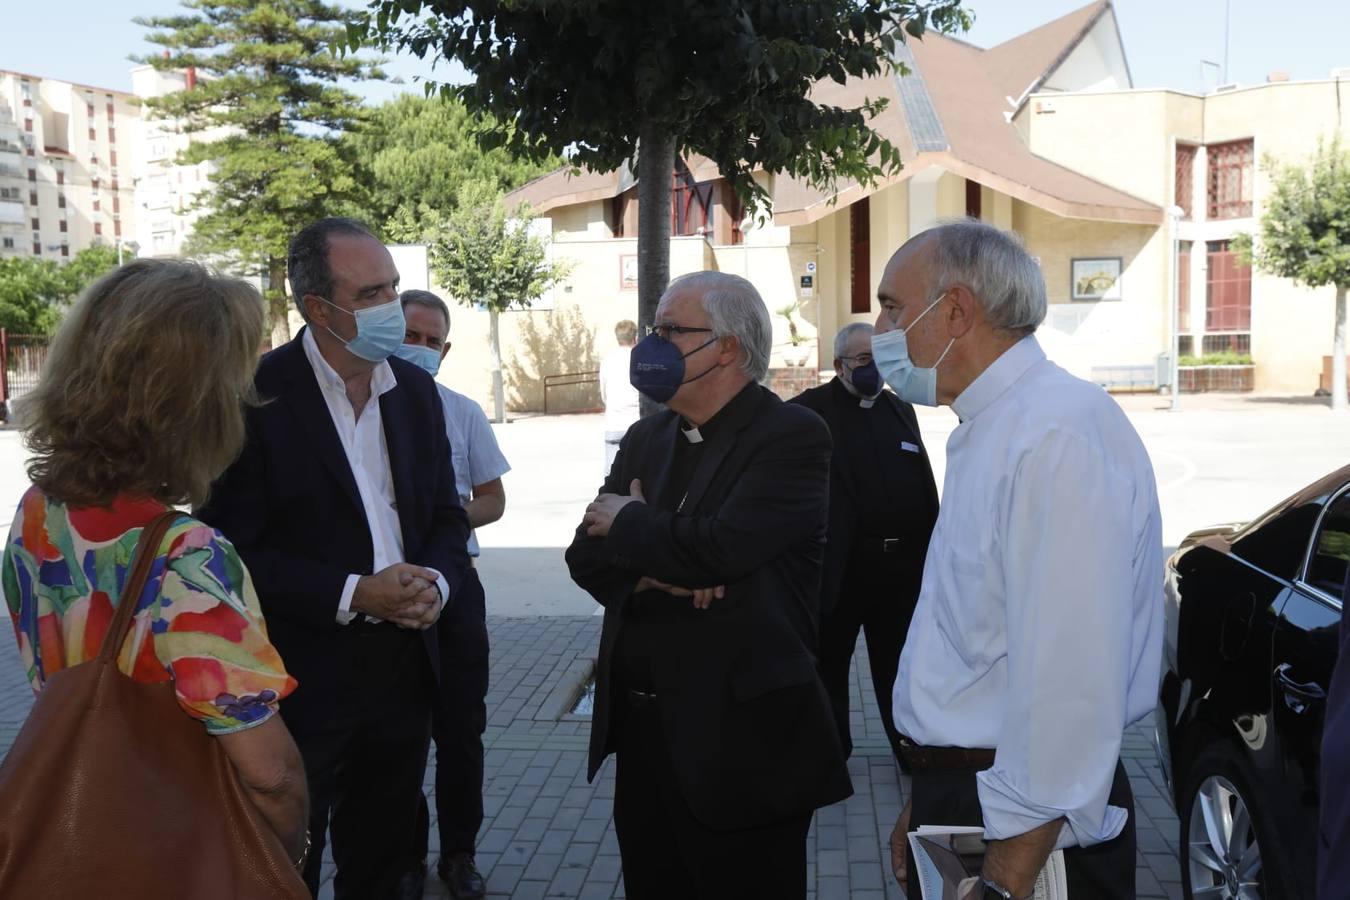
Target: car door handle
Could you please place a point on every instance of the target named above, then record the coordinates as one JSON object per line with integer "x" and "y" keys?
{"x": 1298, "y": 695}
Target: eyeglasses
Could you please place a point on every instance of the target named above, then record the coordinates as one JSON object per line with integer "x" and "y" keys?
{"x": 861, "y": 359}
{"x": 665, "y": 331}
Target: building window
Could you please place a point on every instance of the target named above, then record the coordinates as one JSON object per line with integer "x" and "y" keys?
{"x": 860, "y": 256}
{"x": 37, "y": 248}
{"x": 31, "y": 151}
{"x": 9, "y": 243}
{"x": 117, "y": 228}
{"x": 89, "y": 111}
{"x": 1185, "y": 179}
{"x": 65, "y": 249}
{"x": 60, "y": 201}
{"x": 690, "y": 203}
{"x": 112, "y": 134}
{"x": 60, "y": 176}
{"x": 61, "y": 226}
{"x": 1228, "y": 300}
{"x": 98, "y": 228}
{"x": 1185, "y": 345}
{"x": 1184, "y": 287}
{"x": 32, "y": 175}
{"x": 1231, "y": 176}
{"x": 37, "y": 224}
{"x": 973, "y": 202}
{"x": 32, "y": 198}
{"x": 117, "y": 204}
{"x": 736, "y": 213}
{"x": 28, "y": 125}
{"x": 616, "y": 207}
{"x": 93, "y": 135}
{"x": 110, "y": 113}
{"x": 112, "y": 159}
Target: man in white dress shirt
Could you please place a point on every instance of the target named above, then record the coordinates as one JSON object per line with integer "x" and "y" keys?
{"x": 617, "y": 391}
{"x": 1038, "y": 631}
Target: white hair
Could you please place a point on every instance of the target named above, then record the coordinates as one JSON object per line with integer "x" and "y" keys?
{"x": 995, "y": 266}
{"x": 735, "y": 309}
{"x": 846, "y": 334}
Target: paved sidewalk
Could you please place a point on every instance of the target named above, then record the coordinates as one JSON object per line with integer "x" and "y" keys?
{"x": 550, "y": 834}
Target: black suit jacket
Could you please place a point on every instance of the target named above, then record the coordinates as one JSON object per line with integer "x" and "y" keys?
{"x": 848, "y": 484}
{"x": 289, "y": 504}
{"x": 749, "y": 724}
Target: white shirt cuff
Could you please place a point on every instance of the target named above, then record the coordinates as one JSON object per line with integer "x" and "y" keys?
{"x": 344, "y": 610}
{"x": 444, "y": 587}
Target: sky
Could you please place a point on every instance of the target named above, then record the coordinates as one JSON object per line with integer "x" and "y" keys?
{"x": 1165, "y": 40}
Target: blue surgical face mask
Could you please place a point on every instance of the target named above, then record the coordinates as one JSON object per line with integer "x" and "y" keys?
{"x": 656, "y": 367}
{"x": 379, "y": 330}
{"x": 890, "y": 352}
{"x": 421, "y": 356}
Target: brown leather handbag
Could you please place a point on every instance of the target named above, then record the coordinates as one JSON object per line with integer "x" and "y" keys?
{"x": 112, "y": 791}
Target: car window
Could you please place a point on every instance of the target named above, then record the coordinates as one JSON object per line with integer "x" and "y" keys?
{"x": 1329, "y": 559}
{"x": 1278, "y": 541}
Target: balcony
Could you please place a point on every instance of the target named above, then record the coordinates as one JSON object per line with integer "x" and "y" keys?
{"x": 12, "y": 212}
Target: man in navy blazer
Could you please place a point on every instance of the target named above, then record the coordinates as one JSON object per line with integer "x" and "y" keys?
{"x": 343, "y": 507}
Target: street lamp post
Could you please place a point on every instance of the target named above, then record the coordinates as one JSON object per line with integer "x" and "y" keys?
{"x": 1174, "y": 218}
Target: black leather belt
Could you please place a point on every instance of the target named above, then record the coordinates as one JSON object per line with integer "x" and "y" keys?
{"x": 921, "y": 759}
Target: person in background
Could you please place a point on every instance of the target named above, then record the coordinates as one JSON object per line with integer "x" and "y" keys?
{"x": 883, "y": 503}
{"x": 118, "y": 436}
{"x": 460, "y": 716}
{"x": 616, "y": 390}
{"x": 1037, "y": 638}
{"x": 343, "y": 505}
{"x": 705, "y": 548}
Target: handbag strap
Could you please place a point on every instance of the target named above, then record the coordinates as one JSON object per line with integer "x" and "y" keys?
{"x": 152, "y": 535}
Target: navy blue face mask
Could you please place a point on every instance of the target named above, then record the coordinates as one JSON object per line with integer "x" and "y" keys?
{"x": 656, "y": 367}
{"x": 867, "y": 379}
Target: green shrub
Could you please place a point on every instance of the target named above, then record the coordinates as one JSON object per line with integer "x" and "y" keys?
{"x": 1226, "y": 358}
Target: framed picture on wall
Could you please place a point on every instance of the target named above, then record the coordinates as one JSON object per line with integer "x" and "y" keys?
{"x": 628, "y": 272}
{"x": 1096, "y": 278}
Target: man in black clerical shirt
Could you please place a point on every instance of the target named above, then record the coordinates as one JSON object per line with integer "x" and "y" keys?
{"x": 705, "y": 547}
{"x": 883, "y": 503}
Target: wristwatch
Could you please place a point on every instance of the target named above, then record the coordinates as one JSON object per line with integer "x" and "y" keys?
{"x": 995, "y": 891}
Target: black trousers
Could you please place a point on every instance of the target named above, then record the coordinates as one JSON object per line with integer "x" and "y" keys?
{"x": 365, "y": 767}
{"x": 875, "y": 598}
{"x": 459, "y": 719}
{"x": 668, "y": 854}
{"x": 1100, "y": 872}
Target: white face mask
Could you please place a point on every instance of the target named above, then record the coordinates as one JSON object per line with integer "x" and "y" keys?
{"x": 911, "y": 383}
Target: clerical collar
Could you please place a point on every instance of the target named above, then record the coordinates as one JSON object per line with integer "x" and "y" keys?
{"x": 864, "y": 402}
{"x": 692, "y": 435}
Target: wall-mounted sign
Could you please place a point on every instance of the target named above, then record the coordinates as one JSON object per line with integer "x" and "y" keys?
{"x": 811, "y": 266}
{"x": 807, "y": 288}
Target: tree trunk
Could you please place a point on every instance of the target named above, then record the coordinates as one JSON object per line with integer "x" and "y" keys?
{"x": 498, "y": 397}
{"x": 656, "y": 165}
{"x": 278, "y": 306}
{"x": 1338, "y": 351}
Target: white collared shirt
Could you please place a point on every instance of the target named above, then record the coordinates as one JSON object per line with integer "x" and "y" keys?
{"x": 473, "y": 448}
{"x": 368, "y": 456}
{"x": 1038, "y": 630}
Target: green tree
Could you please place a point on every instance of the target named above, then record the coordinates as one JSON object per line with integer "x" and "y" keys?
{"x": 34, "y": 292}
{"x": 420, "y": 152}
{"x": 608, "y": 81}
{"x": 1305, "y": 236}
{"x": 266, "y": 113}
{"x": 483, "y": 254}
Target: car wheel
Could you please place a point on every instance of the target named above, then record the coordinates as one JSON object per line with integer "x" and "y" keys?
{"x": 1226, "y": 851}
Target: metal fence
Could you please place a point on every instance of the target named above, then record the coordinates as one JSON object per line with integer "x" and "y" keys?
{"x": 21, "y": 359}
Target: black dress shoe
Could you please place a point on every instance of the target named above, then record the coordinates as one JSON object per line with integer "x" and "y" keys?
{"x": 413, "y": 884}
{"x": 461, "y": 876}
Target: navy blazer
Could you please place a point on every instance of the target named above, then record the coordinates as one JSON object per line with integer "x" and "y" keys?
{"x": 290, "y": 506}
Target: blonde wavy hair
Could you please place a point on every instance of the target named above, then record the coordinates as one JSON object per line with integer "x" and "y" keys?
{"x": 144, "y": 387}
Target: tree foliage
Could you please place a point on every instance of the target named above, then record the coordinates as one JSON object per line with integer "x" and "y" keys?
{"x": 34, "y": 292}
{"x": 266, "y": 112}
{"x": 420, "y": 153}
{"x": 1305, "y": 236}
{"x": 730, "y": 79}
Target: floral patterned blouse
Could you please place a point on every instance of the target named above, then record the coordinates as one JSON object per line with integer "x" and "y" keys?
{"x": 197, "y": 622}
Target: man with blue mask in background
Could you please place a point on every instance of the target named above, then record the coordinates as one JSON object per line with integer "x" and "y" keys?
{"x": 705, "y": 547}
{"x": 461, "y": 715}
{"x": 1037, "y": 637}
{"x": 883, "y": 503}
{"x": 343, "y": 506}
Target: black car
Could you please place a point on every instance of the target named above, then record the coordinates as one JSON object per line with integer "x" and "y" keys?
{"x": 1252, "y": 619}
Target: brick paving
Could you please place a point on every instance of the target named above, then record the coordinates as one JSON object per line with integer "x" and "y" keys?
{"x": 550, "y": 834}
